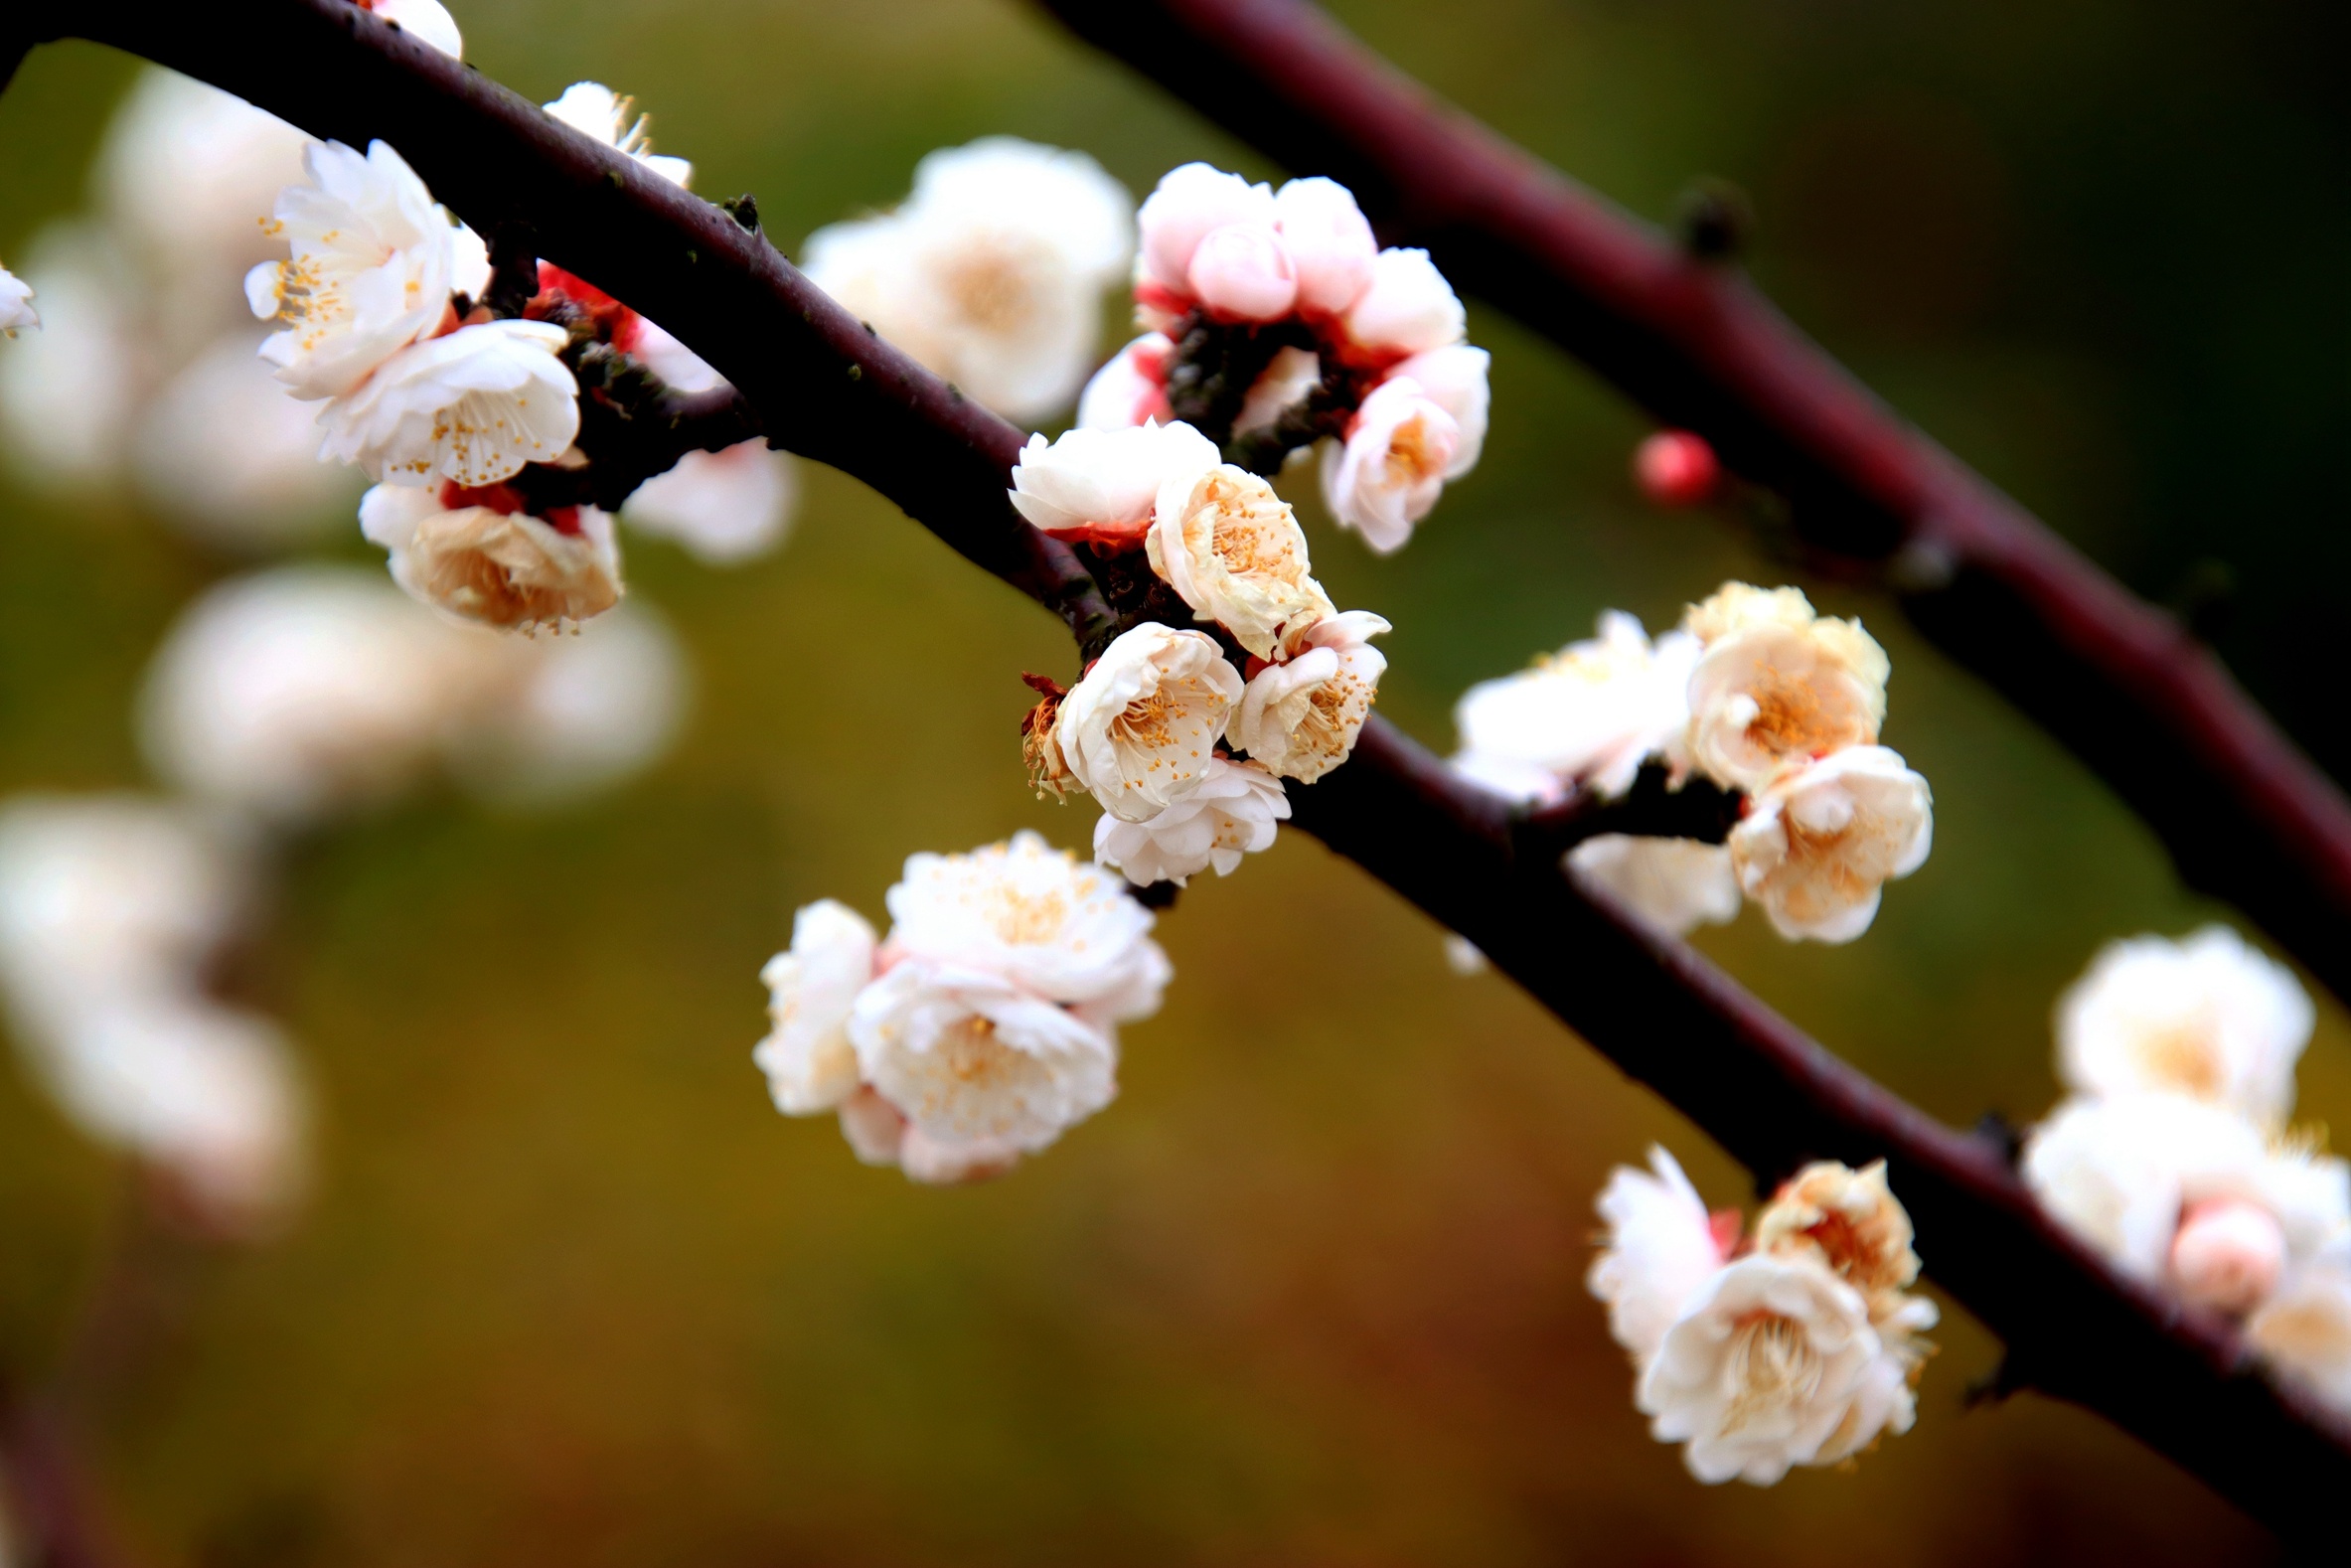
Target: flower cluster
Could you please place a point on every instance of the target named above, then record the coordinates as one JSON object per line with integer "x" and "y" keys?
{"x": 447, "y": 393}
{"x": 982, "y": 1027}
{"x": 1754, "y": 692}
{"x": 1275, "y": 320}
{"x": 992, "y": 272}
{"x": 2171, "y": 1156}
{"x": 1798, "y": 1346}
{"x": 1183, "y": 739}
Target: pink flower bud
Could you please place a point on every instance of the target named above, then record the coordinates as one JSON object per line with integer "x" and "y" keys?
{"x": 1329, "y": 244}
{"x": 2228, "y": 1255}
{"x": 1408, "y": 308}
{"x": 1676, "y": 468}
{"x": 1190, "y": 201}
{"x": 1128, "y": 390}
{"x": 1242, "y": 271}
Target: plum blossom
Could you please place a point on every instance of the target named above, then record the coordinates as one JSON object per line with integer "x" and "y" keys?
{"x": 1301, "y": 718}
{"x": 1660, "y": 1249}
{"x": 222, "y": 448}
{"x": 594, "y": 109}
{"x": 15, "y": 304}
{"x": 1102, "y": 485}
{"x": 2116, "y": 1171}
{"x": 1242, "y": 272}
{"x": 1192, "y": 202}
{"x": 1407, "y": 308}
{"x": 1331, "y": 249}
{"x": 726, "y": 507}
{"x": 472, "y": 407}
{"x": 557, "y": 718}
{"x": 992, "y": 271}
{"x": 1232, "y": 551}
{"x": 2207, "y": 1016}
{"x": 1595, "y": 710}
{"x": 810, "y": 1064}
{"x": 68, "y": 392}
{"x": 1676, "y": 884}
{"x": 1131, "y": 387}
{"x": 1141, "y": 727}
{"x": 1818, "y": 846}
{"x": 372, "y": 266}
{"x": 2228, "y": 1255}
{"x": 1233, "y": 812}
{"x": 499, "y": 567}
{"x": 1778, "y": 686}
{"x": 1388, "y": 472}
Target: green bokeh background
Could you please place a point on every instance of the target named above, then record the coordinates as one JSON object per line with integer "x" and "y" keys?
{"x": 1310, "y": 1293}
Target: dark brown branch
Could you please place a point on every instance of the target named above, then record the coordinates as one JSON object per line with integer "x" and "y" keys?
{"x": 2247, "y": 817}
{"x": 823, "y": 387}
{"x": 1650, "y": 809}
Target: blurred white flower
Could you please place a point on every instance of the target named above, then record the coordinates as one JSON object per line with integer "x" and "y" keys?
{"x": 2208, "y": 1017}
{"x": 992, "y": 271}
{"x": 303, "y": 691}
{"x": 1390, "y": 470}
{"x": 511, "y": 570}
{"x": 1817, "y": 847}
{"x": 15, "y": 304}
{"x": 726, "y": 508}
{"x": 1462, "y": 956}
{"x": 1190, "y": 201}
{"x": 1038, "y": 918}
{"x": 1141, "y": 727}
{"x": 1676, "y": 884}
{"x": 1233, "y": 813}
{"x": 976, "y": 1066}
{"x": 1595, "y": 710}
{"x": 1130, "y": 388}
{"x": 810, "y": 1064}
{"x": 1329, "y": 241}
{"x": 594, "y": 109}
{"x": 1762, "y": 1370}
{"x": 2304, "y": 1332}
{"x": 370, "y": 273}
{"x": 1407, "y": 308}
{"x": 1102, "y": 485}
{"x": 1232, "y": 551}
{"x": 429, "y": 20}
{"x": 471, "y": 407}
{"x": 2116, "y": 1172}
{"x": 561, "y": 717}
{"x": 2229, "y": 1255}
{"x": 222, "y": 449}
{"x": 67, "y": 392}
{"x": 1846, "y": 1220}
{"x": 1660, "y": 1249}
{"x": 1301, "y": 718}
{"x": 1778, "y": 684}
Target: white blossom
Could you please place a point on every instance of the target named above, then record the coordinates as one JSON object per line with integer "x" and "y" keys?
{"x": 2208, "y": 1017}
{"x": 992, "y": 271}
{"x": 1242, "y": 272}
{"x": 370, "y": 274}
{"x": 1817, "y": 847}
{"x": 1329, "y": 242}
{"x": 1849, "y": 1223}
{"x": 1140, "y": 727}
{"x": 15, "y": 304}
{"x": 1659, "y": 1251}
{"x": 1233, "y": 813}
{"x": 429, "y": 20}
{"x": 2116, "y": 1171}
{"x": 1778, "y": 684}
{"x": 1036, "y": 917}
{"x": 1232, "y": 551}
{"x": 726, "y": 507}
{"x": 505, "y": 570}
{"x": 1102, "y": 484}
{"x": 1130, "y": 388}
{"x": 1455, "y": 379}
{"x": 227, "y": 453}
{"x": 68, "y": 392}
{"x": 2304, "y": 1331}
{"x": 969, "y": 1058}
{"x": 1388, "y": 472}
{"x": 1407, "y": 308}
{"x": 301, "y": 692}
{"x": 1676, "y": 884}
{"x": 1301, "y": 718}
{"x": 1595, "y": 710}
{"x": 810, "y": 1064}
{"x": 594, "y": 109}
{"x": 559, "y": 716}
{"x": 1764, "y": 1369}
{"x": 472, "y": 407}
{"x": 1193, "y": 201}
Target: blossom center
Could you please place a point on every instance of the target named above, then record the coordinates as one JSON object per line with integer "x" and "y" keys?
{"x": 1771, "y": 1365}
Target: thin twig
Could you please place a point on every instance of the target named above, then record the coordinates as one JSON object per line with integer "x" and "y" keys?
{"x": 823, "y": 387}
{"x": 2246, "y": 815}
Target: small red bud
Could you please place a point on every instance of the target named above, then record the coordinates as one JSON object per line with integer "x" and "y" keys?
{"x": 1676, "y": 469}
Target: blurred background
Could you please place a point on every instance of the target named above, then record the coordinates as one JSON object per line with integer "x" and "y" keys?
{"x": 565, "y": 1288}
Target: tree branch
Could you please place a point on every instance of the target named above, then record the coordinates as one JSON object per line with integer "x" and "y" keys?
{"x": 823, "y": 387}
{"x": 2246, "y": 815}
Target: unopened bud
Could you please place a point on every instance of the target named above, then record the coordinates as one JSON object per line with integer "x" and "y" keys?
{"x": 1676, "y": 468}
{"x": 2228, "y": 1255}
